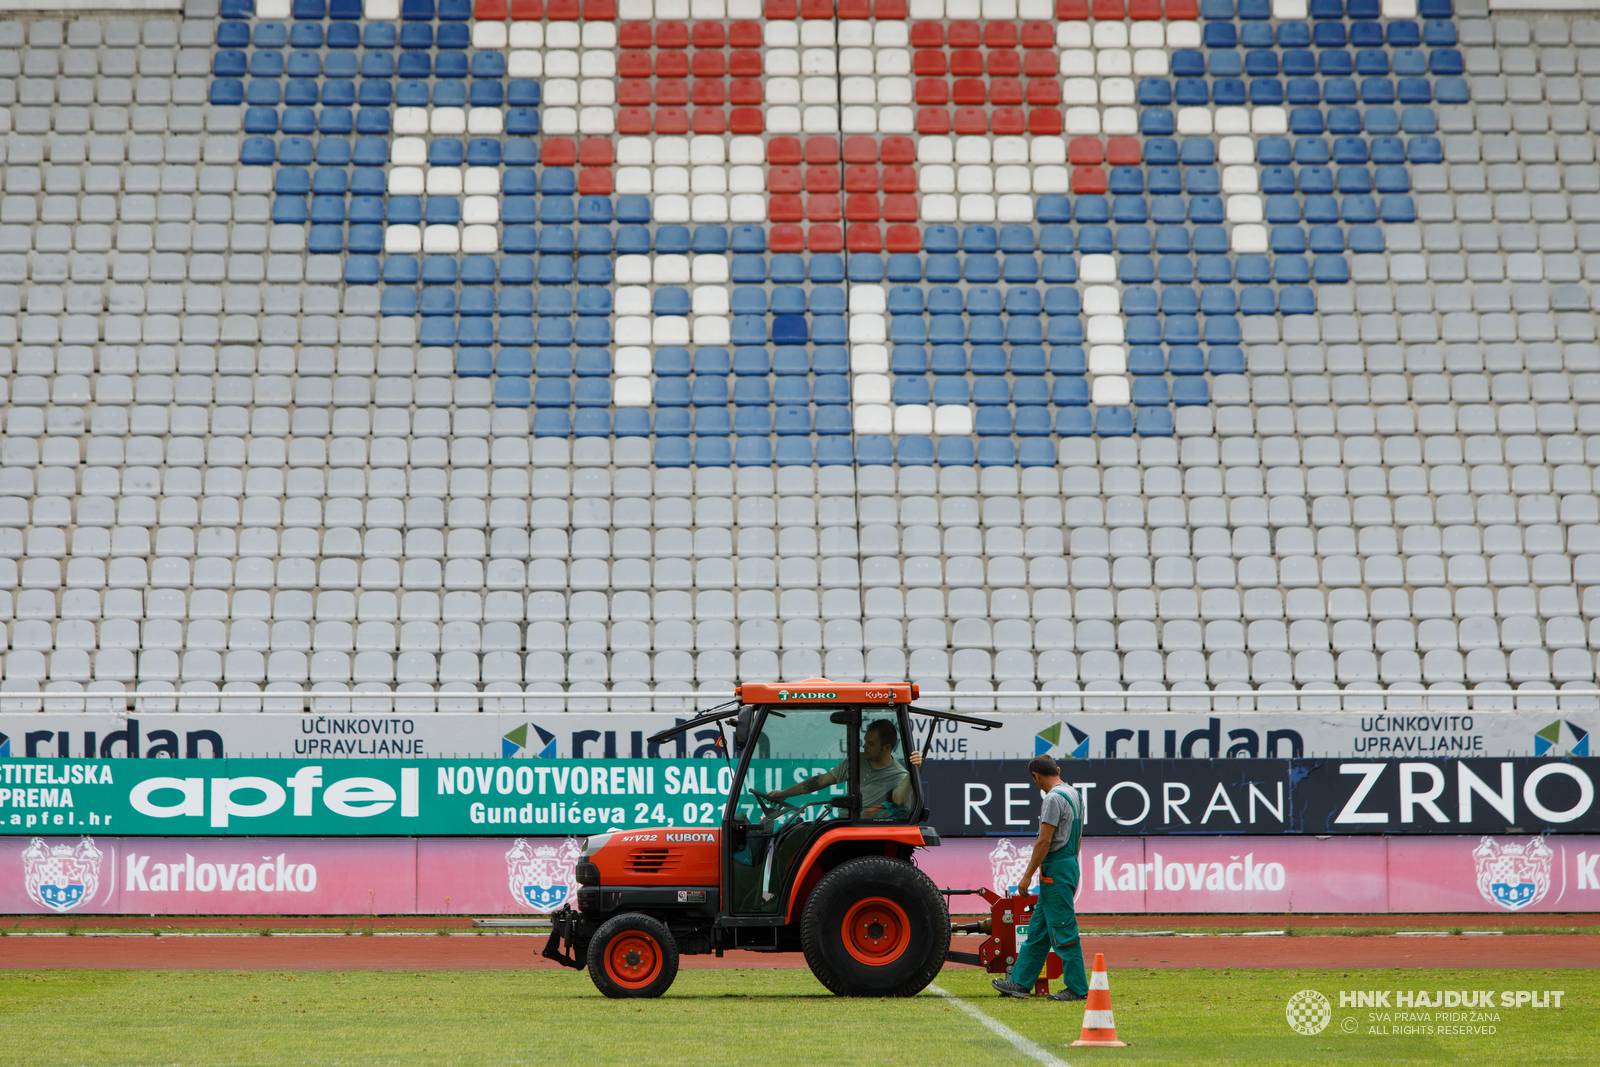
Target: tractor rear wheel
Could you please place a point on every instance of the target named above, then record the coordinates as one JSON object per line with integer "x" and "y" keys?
{"x": 875, "y": 927}
{"x": 633, "y": 955}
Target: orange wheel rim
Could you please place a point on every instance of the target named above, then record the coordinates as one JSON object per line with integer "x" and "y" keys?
{"x": 633, "y": 959}
{"x": 876, "y": 931}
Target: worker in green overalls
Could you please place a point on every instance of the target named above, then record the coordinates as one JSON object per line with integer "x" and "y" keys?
{"x": 1054, "y": 925}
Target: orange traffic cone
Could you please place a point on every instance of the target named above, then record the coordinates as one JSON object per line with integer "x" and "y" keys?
{"x": 1099, "y": 1028}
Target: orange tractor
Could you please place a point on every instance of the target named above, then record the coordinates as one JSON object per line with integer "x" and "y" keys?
{"x": 814, "y": 853}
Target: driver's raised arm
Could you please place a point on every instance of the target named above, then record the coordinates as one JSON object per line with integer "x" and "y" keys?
{"x": 902, "y": 793}
{"x": 814, "y": 783}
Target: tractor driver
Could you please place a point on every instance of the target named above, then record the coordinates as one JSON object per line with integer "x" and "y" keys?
{"x": 885, "y": 784}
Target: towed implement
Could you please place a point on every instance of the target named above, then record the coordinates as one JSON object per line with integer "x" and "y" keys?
{"x": 815, "y": 853}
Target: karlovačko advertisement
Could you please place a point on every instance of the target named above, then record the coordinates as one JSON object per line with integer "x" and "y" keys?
{"x": 966, "y": 798}
{"x": 1168, "y": 734}
{"x": 534, "y": 875}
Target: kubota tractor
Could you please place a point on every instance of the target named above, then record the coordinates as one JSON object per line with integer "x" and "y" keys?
{"x": 814, "y": 853}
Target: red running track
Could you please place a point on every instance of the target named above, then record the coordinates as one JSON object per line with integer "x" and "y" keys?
{"x": 338, "y": 952}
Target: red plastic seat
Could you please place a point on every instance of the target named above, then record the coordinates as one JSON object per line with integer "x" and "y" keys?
{"x": 709, "y": 121}
{"x": 559, "y": 152}
{"x": 1089, "y": 180}
{"x": 1123, "y": 151}
{"x": 1008, "y": 121}
{"x": 863, "y": 237}
{"x": 903, "y": 238}
{"x": 825, "y": 238}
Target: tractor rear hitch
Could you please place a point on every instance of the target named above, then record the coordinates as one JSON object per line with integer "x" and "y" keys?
{"x": 1000, "y": 929}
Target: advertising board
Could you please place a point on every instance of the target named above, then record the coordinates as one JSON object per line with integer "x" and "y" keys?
{"x": 532, "y": 876}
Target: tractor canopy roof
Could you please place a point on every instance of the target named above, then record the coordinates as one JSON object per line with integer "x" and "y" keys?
{"x": 819, "y": 693}
{"x": 822, "y": 691}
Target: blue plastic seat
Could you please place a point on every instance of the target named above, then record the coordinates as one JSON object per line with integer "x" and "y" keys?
{"x": 915, "y": 451}
{"x": 1189, "y": 390}
{"x": 1154, "y": 422}
{"x": 482, "y": 331}
{"x": 873, "y": 450}
{"x": 997, "y": 452}
{"x": 956, "y": 452}
{"x": 829, "y": 451}
{"x": 993, "y": 420}
{"x": 1142, "y": 359}
{"x": 512, "y": 392}
{"x": 1152, "y": 389}
{"x": 1074, "y": 421}
{"x": 830, "y": 383}
{"x": 1186, "y": 359}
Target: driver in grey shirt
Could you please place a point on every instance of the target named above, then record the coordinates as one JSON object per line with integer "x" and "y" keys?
{"x": 885, "y": 784}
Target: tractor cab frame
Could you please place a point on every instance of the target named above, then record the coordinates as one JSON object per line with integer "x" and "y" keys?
{"x": 814, "y": 853}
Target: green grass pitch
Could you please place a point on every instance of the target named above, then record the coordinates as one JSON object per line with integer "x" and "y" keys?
{"x": 760, "y": 1017}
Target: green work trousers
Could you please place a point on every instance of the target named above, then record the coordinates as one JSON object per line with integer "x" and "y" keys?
{"x": 1054, "y": 926}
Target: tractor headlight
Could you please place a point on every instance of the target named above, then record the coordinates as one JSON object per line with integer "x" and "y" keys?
{"x": 594, "y": 844}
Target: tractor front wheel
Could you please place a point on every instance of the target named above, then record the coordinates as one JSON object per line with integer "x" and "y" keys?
{"x": 633, "y": 955}
{"x": 875, "y": 927}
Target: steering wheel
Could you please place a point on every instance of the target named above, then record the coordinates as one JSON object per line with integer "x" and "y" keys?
{"x": 771, "y": 805}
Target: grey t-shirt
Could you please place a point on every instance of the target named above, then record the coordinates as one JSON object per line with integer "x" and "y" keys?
{"x": 1063, "y": 809}
{"x": 878, "y": 784}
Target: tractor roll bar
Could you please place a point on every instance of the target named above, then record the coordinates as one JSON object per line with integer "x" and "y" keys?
{"x": 970, "y": 720}
{"x": 715, "y": 714}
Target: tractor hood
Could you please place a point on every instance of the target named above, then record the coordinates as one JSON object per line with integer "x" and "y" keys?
{"x": 660, "y": 856}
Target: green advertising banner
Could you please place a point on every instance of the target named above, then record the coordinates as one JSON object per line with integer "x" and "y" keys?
{"x": 378, "y": 797}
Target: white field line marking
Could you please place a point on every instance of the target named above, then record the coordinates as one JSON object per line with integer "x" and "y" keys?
{"x": 1188, "y": 933}
{"x": 1012, "y": 1038}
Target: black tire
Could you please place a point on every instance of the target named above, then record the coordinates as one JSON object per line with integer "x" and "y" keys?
{"x": 875, "y": 927}
{"x": 633, "y": 955}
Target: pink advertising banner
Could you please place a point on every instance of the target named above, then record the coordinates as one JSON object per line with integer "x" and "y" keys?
{"x": 208, "y": 876}
{"x": 533, "y": 876}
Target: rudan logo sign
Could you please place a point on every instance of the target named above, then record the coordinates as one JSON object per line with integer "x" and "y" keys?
{"x": 1048, "y": 738}
{"x": 1547, "y": 741}
{"x": 66, "y": 736}
{"x": 1208, "y": 741}
{"x": 516, "y": 742}
{"x": 222, "y": 799}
